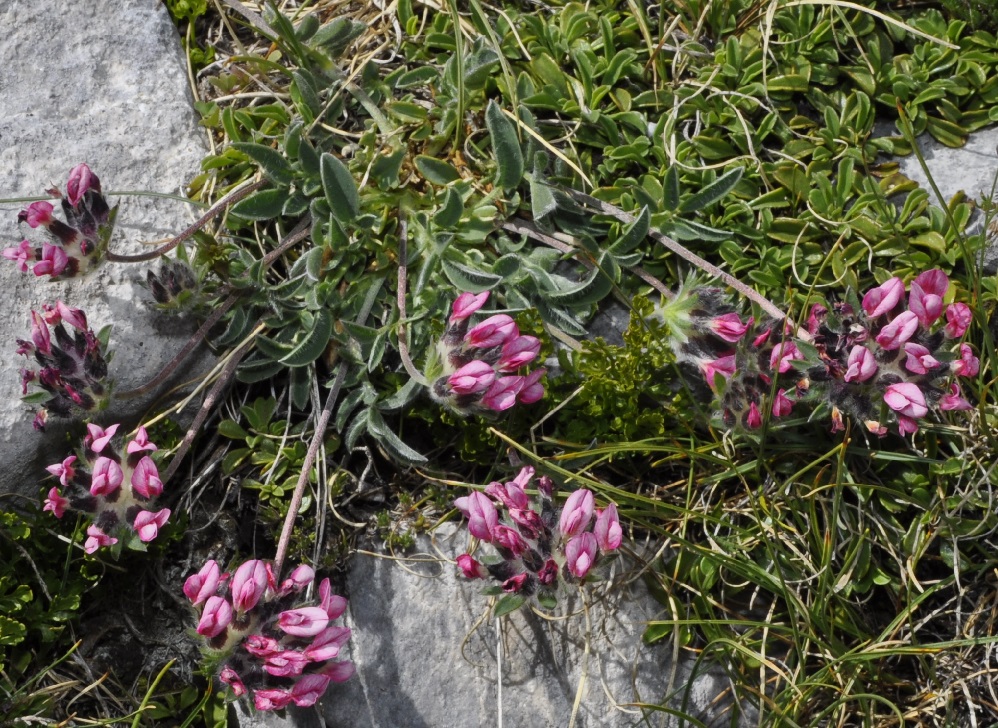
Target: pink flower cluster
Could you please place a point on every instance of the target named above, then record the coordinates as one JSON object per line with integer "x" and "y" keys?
{"x": 72, "y": 366}
{"x": 480, "y": 364}
{"x": 534, "y": 549}
{"x": 889, "y": 359}
{"x": 80, "y": 239}
{"x": 267, "y": 644}
{"x": 119, "y": 489}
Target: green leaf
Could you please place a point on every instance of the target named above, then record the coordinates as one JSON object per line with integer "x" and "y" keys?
{"x": 509, "y": 603}
{"x": 274, "y": 165}
{"x": 401, "y": 398}
{"x": 633, "y": 235}
{"x": 263, "y": 205}
{"x": 11, "y": 631}
{"x": 340, "y": 189}
{"x": 450, "y": 213}
{"x": 313, "y": 262}
{"x": 314, "y": 342}
{"x": 390, "y": 441}
{"x": 672, "y": 189}
{"x": 232, "y": 429}
{"x": 713, "y": 192}
{"x": 542, "y": 199}
{"x": 421, "y": 76}
{"x": 301, "y": 387}
{"x": 436, "y": 171}
{"x": 506, "y": 146}
{"x": 592, "y": 290}
{"x": 465, "y": 278}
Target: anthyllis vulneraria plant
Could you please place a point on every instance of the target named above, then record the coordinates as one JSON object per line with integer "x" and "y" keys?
{"x": 80, "y": 242}
{"x": 260, "y": 638}
{"x": 536, "y": 554}
{"x": 884, "y": 361}
{"x": 72, "y": 373}
{"x": 118, "y": 489}
{"x": 474, "y": 370}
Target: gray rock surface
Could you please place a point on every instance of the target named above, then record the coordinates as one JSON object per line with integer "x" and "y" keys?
{"x": 972, "y": 169}
{"x": 426, "y": 653}
{"x": 103, "y": 82}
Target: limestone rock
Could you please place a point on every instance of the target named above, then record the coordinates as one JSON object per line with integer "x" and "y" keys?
{"x": 102, "y": 82}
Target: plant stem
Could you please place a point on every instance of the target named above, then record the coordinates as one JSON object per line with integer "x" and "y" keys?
{"x": 321, "y": 424}
{"x": 230, "y": 199}
{"x": 402, "y": 286}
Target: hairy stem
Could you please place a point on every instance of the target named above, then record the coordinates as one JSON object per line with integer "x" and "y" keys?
{"x": 313, "y": 447}
{"x": 213, "y": 211}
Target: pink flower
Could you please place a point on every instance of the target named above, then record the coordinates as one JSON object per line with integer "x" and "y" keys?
{"x": 271, "y": 699}
{"x": 505, "y": 537}
{"x": 81, "y": 179}
{"x": 761, "y": 338}
{"x": 754, "y": 417}
{"x": 145, "y": 479}
{"x": 333, "y": 604}
{"x": 730, "y": 327}
{"x": 40, "y": 333}
{"x": 107, "y": 477}
{"x": 309, "y": 689}
{"x": 474, "y": 377}
{"x": 576, "y": 513}
{"x": 958, "y": 318}
{"x": 338, "y": 671}
{"x": 261, "y": 646}
{"x": 532, "y": 389}
{"x": 22, "y": 255}
{"x": 883, "y": 298}
{"x": 287, "y": 663}
{"x": 466, "y": 304}
{"x": 725, "y": 366}
{"x": 231, "y": 678}
{"x": 248, "y": 584}
{"x": 528, "y": 521}
{"x": 607, "y": 529}
{"x": 920, "y": 359}
{"x": 861, "y": 364}
{"x": 64, "y": 471}
{"x": 782, "y": 405}
{"x": 481, "y": 514}
{"x": 75, "y": 317}
{"x": 503, "y": 392}
{"x": 509, "y": 494}
{"x": 493, "y": 331}
{"x": 203, "y": 584}
{"x": 906, "y": 399}
{"x": 580, "y": 554}
{"x": 517, "y": 352}
{"x": 816, "y": 317}
{"x": 522, "y": 479}
{"x": 906, "y": 426}
{"x": 97, "y": 438}
{"x": 898, "y": 331}
{"x": 140, "y": 443}
{"x": 926, "y": 297}
{"x": 96, "y": 539}
{"x": 471, "y": 568}
{"x": 967, "y": 365}
{"x": 147, "y": 524}
{"x": 327, "y": 644}
{"x": 954, "y": 401}
{"x": 304, "y": 621}
{"x": 548, "y": 573}
{"x": 298, "y": 579}
{"x": 54, "y": 261}
{"x": 783, "y": 354}
{"x": 55, "y": 503}
{"x": 514, "y": 584}
{"x": 37, "y": 213}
